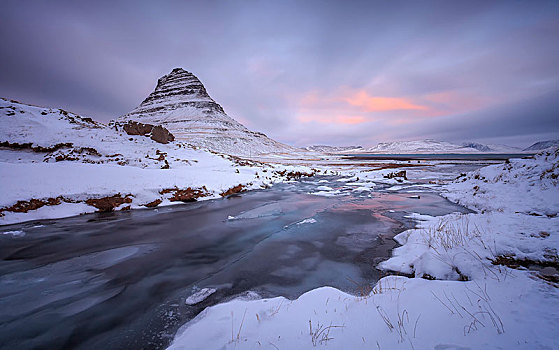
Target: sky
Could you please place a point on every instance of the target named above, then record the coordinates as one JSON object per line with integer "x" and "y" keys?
{"x": 303, "y": 72}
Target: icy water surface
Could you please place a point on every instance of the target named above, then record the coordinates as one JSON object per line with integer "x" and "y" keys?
{"x": 120, "y": 281}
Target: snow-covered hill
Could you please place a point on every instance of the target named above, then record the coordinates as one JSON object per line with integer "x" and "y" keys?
{"x": 55, "y": 163}
{"x": 419, "y": 147}
{"x": 542, "y": 145}
{"x": 181, "y": 104}
{"x": 492, "y": 148}
{"x": 334, "y": 149}
{"x": 438, "y": 147}
{"x": 535, "y": 181}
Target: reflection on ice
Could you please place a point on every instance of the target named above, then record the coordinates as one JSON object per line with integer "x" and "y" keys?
{"x": 272, "y": 209}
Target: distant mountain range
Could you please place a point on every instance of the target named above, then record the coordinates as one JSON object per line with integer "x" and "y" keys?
{"x": 334, "y": 149}
{"x": 429, "y": 146}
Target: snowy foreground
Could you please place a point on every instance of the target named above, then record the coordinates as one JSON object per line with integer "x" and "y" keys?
{"x": 463, "y": 296}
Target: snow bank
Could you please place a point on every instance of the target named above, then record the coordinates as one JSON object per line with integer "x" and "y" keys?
{"x": 400, "y": 313}
{"x": 526, "y": 185}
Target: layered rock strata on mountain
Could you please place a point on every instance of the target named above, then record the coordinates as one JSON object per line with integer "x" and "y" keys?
{"x": 181, "y": 104}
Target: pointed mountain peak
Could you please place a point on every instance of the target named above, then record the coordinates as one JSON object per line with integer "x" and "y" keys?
{"x": 181, "y": 104}
{"x": 176, "y": 90}
{"x": 177, "y": 75}
{"x": 179, "y": 70}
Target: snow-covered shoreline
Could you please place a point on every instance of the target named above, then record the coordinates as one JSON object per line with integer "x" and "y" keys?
{"x": 56, "y": 164}
{"x": 468, "y": 297}
{"x": 72, "y": 184}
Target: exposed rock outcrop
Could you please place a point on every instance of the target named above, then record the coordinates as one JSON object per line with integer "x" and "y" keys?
{"x": 396, "y": 174}
{"x": 156, "y": 132}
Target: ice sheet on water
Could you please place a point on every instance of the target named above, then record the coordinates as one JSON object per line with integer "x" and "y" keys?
{"x": 361, "y": 189}
{"x": 271, "y": 209}
{"x": 307, "y": 221}
{"x": 30, "y": 290}
{"x": 16, "y": 233}
{"x": 326, "y": 193}
{"x": 347, "y": 179}
{"x": 367, "y": 184}
{"x": 199, "y": 296}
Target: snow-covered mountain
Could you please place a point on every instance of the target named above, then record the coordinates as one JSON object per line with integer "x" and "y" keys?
{"x": 542, "y": 145}
{"x": 334, "y": 149}
{"x": 438, "y": 147}
{"x": 492, "y": 148}
{"x": 181, "y": 104}
{"x": 418, "y": 147}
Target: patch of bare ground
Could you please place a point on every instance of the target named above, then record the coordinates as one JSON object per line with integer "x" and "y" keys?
{"x": 185, "y": 195}
{"x": 235, "y": 189}
{"x": 153, "y": 204}
{"x": 29, "y": 146}
{"x": 243, "y": 162}
{"x": 103, "y": 204}
{"x": 77, "y": 154}
{"x": 547, "y": 270}
{"x": 294, "y": 175}
{"x": 33, "y": 204}
{"x": 108, "y": 204}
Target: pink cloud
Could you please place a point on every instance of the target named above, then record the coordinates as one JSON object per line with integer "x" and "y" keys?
{"x": 370, "y": 103}
{"x": 332, "y": 119}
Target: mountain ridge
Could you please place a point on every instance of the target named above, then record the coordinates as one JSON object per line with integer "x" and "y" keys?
{"x": 437, "y": 147}
{"x": 542, "y": 145}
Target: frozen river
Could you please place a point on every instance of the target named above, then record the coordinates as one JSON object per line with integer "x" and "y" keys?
{"x": 120, "y": 280}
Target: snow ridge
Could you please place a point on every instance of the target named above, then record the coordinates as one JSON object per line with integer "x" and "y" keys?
{"x": 543, "y": 145}
{"x": 334, "y": 149}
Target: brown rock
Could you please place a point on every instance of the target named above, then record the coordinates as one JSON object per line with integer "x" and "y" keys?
{"x": 135, "y": 128}
{"x": 156, "y": 132}
{"x": 161, "y": 135}
{"x": 401, "y": 173}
